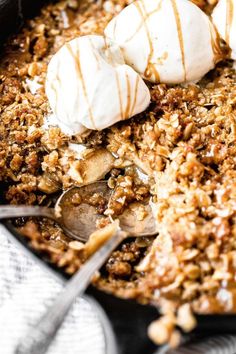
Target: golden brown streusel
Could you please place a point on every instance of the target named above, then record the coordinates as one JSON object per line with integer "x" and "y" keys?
{"x": 184, "y": 142}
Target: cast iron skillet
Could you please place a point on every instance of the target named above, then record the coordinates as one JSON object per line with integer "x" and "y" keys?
{"x": 129, "y": 319}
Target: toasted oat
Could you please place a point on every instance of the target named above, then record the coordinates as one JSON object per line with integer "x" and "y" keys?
{"x": 184, "y": 142}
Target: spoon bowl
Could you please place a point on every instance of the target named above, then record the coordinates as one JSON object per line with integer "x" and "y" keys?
{"x": 78, "y": 210}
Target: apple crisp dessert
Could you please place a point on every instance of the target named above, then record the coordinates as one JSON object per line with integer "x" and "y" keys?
{"x": 180, "y": 151}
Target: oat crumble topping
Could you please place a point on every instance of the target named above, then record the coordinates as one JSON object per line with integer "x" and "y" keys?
{"x": 184, "y": 142}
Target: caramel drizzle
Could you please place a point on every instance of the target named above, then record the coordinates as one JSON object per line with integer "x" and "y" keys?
{"x": 79, "y": 71}
{"x": 119, "y": 95}
{"x": 150, "y": 68}
{"x": 117, "y": 79}
{"x": 128, "y": 97}
{"x": 215, "y": 44}
{"x": 180, "y": 35}
{"x": 108, "y": 52}
{"x": 110, "y": 57}
{"x": 229, "y": 19}
{"x": 144, "y": 19}
{"x": 95, "y": 54}
{"x": 114, "y": 29}
{"x": 135, "y": 95}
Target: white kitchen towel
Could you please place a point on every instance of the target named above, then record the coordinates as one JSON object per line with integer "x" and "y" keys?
{"x": 26, "y": 290}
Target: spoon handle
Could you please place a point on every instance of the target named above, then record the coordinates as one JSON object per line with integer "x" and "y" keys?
{"x": 39, "y": 338}
{"x": 16, "y": 211}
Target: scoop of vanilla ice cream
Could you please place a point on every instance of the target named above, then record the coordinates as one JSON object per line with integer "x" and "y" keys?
{"x": 89, "y": 86}
{"x": 224, "y": 18}
{"x": 168, "y": 41}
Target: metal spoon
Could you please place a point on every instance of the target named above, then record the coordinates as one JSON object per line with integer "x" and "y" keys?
{"x": 77, "y": 220}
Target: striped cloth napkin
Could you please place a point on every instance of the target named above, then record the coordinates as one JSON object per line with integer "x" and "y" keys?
{"x": 26, "y": 291}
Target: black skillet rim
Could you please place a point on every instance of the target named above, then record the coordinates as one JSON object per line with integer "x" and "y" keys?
{"x": 129, "y": 319}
